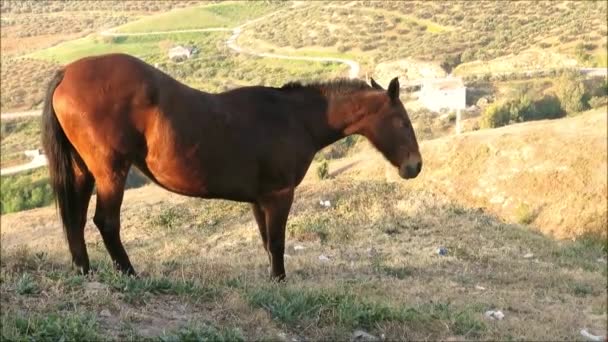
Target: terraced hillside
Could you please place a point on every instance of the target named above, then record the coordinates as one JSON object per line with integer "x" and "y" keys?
{"x": 450, "y": 32}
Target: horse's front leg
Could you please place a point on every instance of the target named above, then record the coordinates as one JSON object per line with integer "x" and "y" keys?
{"x": 276, "y": 208}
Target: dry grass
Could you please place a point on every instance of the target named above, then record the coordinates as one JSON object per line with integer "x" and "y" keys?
{"x": 204, "y": 273}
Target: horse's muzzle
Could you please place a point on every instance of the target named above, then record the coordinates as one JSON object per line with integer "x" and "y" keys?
{"x": 409, "y": 171}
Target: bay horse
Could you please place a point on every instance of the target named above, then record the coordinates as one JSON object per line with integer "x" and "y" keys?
{"x": 104, "y": 114}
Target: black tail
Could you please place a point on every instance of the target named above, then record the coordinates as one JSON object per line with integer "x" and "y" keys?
{"x": 61, "y": 159}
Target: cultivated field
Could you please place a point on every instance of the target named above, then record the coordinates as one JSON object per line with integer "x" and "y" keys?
{"x": 451, "y": 32}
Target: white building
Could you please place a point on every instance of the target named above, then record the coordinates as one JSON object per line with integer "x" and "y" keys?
{"x": 443, "y": 93}
{"x": 180, "y": 52}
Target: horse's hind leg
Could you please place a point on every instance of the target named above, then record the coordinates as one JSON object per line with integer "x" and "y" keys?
{"x": 110, "y": 191}
{"x": 83, "y": 187}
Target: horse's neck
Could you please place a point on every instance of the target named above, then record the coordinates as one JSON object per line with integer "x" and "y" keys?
{"x": 327, "y": 123}
{"x": 341, "y": 114}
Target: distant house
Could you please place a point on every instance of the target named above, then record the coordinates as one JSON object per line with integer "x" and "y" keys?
{"x": 180, "y": 53}
{"x": 443, "y": 93}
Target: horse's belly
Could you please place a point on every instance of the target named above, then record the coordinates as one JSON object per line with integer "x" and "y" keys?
{"x": 187, "y": 178}
{"x": 178, "y": 179}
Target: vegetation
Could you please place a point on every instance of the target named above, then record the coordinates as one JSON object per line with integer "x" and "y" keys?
{"x": 29, "y": 25}
{"x": 571, "y": 92}
{"x": 25, "y": 190}
{"x": 467, "y": 34}
{"x": 383, "y": 275}
{"x": 551, "y": 98}
{"x": 227, "y": 14}
{"x": 23, "y": 82}
{"x": 17, "y": 136}
{"x": 323, "y": 170}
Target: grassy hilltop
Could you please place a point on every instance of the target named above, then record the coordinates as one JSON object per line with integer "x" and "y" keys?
{"x": 495, "y": 199}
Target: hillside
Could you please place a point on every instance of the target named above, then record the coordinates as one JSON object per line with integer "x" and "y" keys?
{"x": 550, "y": 174}
{"x": 368, "y": 262}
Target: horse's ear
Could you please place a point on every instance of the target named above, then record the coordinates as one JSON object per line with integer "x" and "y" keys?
{"x": 393, "y": 89}
{"x": 375, "y": 85}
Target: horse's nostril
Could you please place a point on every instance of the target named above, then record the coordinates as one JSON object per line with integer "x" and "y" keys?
{"x": 419, "y": 167}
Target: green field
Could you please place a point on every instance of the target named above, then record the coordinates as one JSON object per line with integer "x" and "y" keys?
{"x": 227, "y": 14}
{"x": 146, "y": 47}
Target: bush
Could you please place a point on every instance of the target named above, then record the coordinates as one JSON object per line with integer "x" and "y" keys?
{"x": 598, "y": 101}
{"x": 495, "y": 115}
{"x": 571, "y": 92}
{"x": 323, "y": 170}
{"x": 546, "y": 108}
{"x": 25, "y": 191}
{"x": 450, "y": 62}
{"x": 521, "y": 108}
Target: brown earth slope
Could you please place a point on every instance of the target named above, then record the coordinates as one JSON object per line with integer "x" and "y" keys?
{"x": 550, "y": 174}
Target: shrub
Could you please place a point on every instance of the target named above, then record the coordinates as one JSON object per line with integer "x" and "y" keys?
{"x": 547, "y": 107}
{"x": 495, "y": 115}
{"x": 323, "y": 170}
{"x": 571, "y": 92}
{"x": 524, "y": 214}
{"x": 450, "y": 62}
{"x": 598, "y": 101}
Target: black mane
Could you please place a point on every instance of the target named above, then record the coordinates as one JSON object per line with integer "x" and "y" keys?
{"x": 339, "y": 86}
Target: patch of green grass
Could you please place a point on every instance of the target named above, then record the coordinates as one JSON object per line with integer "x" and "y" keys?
{"x": 171, "y": 217}
{"x": 461, "y": 322}
{"x": 583, "y": 253}
{"x": 49, "y": 327}
{"x": 138, "y": 289}
{"x": 146, "y": 47}
{"x": 524, "y": 214}
{"x": 26, "y": 285}
{"x": 217, "y": 15}
{"x": 296, "y": 306}
{"x": 203, "y": 333}
{"x": 582, "y": 290}
{"x": 400, "y": 272}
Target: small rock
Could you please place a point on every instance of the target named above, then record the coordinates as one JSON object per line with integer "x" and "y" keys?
{"x": 360, "y": 335}
{"x": 298, "y": 247}
{"x": 442, "y": 251}
{"x": 212, "y": 222}
{"x": 480, "y": 288}
{"x": 601, "y": 260}
{"x": 105, "y": 313}
{"x": 323, "y": 258}
{"x": 528, "y": 256}
{"x": 495, "y": 315}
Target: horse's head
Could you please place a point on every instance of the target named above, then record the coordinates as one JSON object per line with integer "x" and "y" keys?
{"x": 389, "y": 129}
